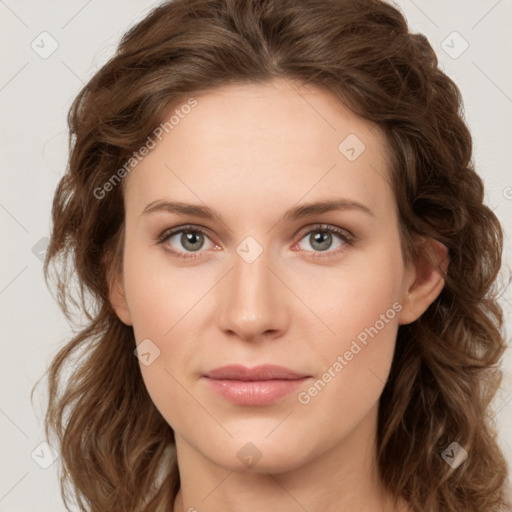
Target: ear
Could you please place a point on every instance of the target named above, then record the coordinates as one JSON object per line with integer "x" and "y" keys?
{"x": 424, "y": 279}
{"x": 118, "y": 301}
{"x": 117, "y": 298}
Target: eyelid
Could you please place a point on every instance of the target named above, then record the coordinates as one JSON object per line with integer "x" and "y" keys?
{"x": 166, "y": 233}
{"x": 343, "y": 233}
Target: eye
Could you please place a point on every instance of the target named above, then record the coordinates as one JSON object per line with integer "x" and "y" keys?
{"x": 323, "y": 237}
{"x": 184, "y": 241}
{"x": 190, "y": 240}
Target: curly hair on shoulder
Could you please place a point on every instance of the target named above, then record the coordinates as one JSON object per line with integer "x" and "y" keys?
{"x": 445, "y": 371}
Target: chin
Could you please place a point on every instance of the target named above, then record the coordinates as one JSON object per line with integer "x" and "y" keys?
{"x": 257, "y": 454}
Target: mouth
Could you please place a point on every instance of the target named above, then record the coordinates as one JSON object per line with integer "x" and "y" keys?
{"x": 260, "y": 385}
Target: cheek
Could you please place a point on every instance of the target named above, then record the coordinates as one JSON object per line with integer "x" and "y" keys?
{"x": 356, "y": 294}
{"x": 361, "y": 308}
{"x": 165, "y": 306}
{"x": 160, "y": 306}
{"x": 159, "y": 295}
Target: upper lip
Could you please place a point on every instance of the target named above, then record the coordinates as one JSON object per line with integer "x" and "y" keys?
{"x": 262, "y": 372}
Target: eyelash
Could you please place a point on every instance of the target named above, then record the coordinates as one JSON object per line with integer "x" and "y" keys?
{"x": 347, "y": 237}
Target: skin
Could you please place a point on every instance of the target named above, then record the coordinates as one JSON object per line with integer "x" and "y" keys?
{"x": 251, "y": 152}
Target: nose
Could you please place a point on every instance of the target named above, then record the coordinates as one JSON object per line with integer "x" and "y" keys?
{"x": 253, "y": 301}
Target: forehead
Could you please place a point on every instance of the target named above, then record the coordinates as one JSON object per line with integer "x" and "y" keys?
{"x": 280, "y": 114}
{"x": 251, "y": 140}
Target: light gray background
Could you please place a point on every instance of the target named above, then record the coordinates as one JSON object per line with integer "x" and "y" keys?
{"x": 35, "y": 95}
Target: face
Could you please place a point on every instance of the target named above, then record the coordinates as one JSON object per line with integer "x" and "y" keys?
{"x": 255, "y": 275}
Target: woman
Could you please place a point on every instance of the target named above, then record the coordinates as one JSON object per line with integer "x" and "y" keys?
{"x": 287, "y": 268}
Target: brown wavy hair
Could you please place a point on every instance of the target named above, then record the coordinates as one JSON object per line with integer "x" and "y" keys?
{"x": 117, "y": 451}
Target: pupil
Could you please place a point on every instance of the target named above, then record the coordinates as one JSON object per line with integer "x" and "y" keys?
{"x": 190, "y": 239}
{"x": 323, "y": 239}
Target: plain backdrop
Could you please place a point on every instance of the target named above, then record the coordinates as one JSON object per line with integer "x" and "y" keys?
{"x": 49, "y": 50}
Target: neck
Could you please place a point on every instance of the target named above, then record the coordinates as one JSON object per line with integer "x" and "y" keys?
{"x": 344, "y": 477}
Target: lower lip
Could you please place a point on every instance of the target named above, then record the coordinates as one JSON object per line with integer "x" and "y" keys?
{"x": 258, "y": 392}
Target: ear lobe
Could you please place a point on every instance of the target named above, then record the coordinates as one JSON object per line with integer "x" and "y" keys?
{"x": 425, "y": 280}
{"x": 117, "y": 299}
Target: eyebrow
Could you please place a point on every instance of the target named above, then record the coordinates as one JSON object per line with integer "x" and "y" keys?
{"x": 294, "y": 213}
